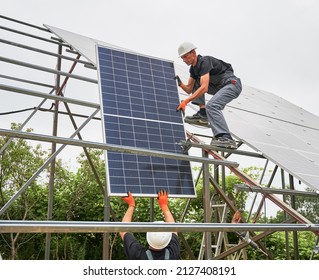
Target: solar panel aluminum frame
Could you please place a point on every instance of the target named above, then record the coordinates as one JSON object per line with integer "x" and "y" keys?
{"x": 117, "y": 117}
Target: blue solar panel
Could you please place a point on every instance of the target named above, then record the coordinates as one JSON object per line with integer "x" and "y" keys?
{"x": 139, "y": 99}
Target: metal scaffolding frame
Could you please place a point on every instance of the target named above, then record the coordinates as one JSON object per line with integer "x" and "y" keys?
{"x": 210, "y": 156}
{"x": 193, "y": 139}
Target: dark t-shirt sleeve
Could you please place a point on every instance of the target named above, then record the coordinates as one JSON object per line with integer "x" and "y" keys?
{"x": 204, "y": 66}
{"x": 133, "y": 249}
{"x": 214, "y": 66}
{"x": 174, "y": 248}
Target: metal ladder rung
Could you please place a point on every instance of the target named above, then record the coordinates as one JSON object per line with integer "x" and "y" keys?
{"x": 213, "y": 246}
{"x": 219, "y": 238}
{"x": 218, "y": 205}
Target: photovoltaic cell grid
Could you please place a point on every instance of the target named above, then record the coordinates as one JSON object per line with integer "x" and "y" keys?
{"x": 139, "y": 98}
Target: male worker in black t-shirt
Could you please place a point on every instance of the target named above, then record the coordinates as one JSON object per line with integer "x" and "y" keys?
{"x": 162, "y": 245}
{"x": 213, "y": 76}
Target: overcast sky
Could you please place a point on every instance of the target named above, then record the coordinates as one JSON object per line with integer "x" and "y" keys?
{"x": 272, "y": 44}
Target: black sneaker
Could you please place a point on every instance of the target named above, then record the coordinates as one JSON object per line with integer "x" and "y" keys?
{"x": 224, "y": 142}
{"x": 198, "y": 117}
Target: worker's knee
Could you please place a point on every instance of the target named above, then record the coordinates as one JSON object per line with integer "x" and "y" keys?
{"x": 214, "y": 106}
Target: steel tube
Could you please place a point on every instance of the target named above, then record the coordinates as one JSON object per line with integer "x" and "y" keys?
{"x": 111, "y": 147}
{"x": 49, "y": 96}
{"x": 100, "y": 227}
{"x": 240, "y": 187}
{"x": 46, "y": 69}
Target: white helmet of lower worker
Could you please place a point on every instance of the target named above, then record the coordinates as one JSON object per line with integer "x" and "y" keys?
{"x": 158, "y": 240}
{"x": 185, "y": 48}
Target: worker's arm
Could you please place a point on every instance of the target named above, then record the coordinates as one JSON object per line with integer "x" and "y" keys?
{"x": 188, "y": 88}
{"x": 204, "y": 82}
{"x": 168, "y": 216}
{"x": 129, "y": 199}
{"x": 163, "y": 203}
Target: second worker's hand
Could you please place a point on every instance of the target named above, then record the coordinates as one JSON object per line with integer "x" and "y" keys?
{"x": 162, "y": 197}
{"x": 129, "y": 199}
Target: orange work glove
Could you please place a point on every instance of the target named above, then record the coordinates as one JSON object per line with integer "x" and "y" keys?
{"x": 182, "y": 105}
{"x": 163, "y": 200}
{"x": 129, "y": 199}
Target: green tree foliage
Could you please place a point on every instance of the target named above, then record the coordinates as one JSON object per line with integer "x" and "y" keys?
{"x": 78, "y": 197}
{"x": 308, "y": 207}
{"x": 276, "y": 244}
{"x": 17, "y": 164}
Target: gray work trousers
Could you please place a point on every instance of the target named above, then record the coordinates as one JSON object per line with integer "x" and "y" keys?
{"x": 218, "y": 102}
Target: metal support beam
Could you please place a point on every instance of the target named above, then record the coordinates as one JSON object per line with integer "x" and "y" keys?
{"x": 23, "y": 125}
{"x": 24, "y": 23}
{"x": 32, "y": 36}
{"x": 53, "y": 163}
{"x": 14, "y": 226}
{"x": 207, "y": 208}
{"x": 293, "y": 205}
{"x": 111, "y": 147}
{"x": 46, "y": 69}
{"x": 189, "y": 144}
{"x": 48, "y": 96}
{"x": 45, "y": 52}
{"x": 25, "y": 81}
{"x": 258, "y": 189}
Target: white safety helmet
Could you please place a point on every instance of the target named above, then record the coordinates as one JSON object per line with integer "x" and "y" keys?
{"x": 158, "y": 240}
{"x": 185, "y": 48}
